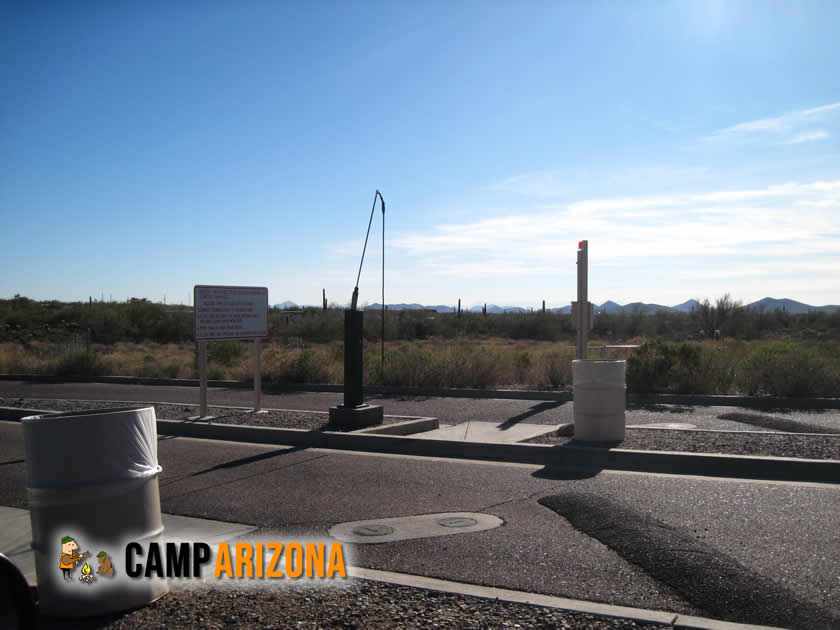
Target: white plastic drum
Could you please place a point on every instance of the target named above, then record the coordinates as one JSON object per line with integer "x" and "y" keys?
{"x": 92, "y": 476}
{"x": 599, "y": 400}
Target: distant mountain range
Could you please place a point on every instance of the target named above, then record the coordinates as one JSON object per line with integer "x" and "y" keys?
{"x": 767, "y": 304}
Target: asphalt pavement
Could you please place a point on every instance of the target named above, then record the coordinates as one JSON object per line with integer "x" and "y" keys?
{"x": 787, "y": 533}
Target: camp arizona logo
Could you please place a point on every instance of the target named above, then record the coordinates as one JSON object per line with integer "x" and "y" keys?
{"x": 267, "y": 560}
{"x": 252, "y": 559}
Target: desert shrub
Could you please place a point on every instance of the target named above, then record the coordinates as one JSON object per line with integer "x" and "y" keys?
{"x": 649, "y": 367}
{"x": 216, "y": 373}
{"x": 410, "y": 365}
{"x": 309, "y": 367}
{"x": 225, "y": 352}
{"x": 557, "y": 368}
{"x": 485, "y": 368}
{"x": 685, "y": 367}
{"x": 79, "y": 363}
{"x": 523, "y": 365}
{"x": 786, "y": 369}
{"x": 713, "y": 374}
{"x": 15, "y": 360}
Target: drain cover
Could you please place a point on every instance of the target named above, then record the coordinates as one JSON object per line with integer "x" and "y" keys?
{"x": 373, "y": 530}
{"x": 457, "y": 521}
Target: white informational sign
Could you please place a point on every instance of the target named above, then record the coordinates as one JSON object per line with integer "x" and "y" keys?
{"x": 230, "y": 312}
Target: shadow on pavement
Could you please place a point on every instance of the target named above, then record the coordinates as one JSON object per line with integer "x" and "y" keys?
{"x": 558, "y": 473}
{"x": 538, "y": 408}
{"x": 707, "y": 578}
{"x": 777, "y": 424}
{"x": 659, "y": 408}
{"x": 242, "y": 461}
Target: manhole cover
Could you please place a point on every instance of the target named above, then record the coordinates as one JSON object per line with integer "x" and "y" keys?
{"x": 457, "y": 521}
{"x": 373, "y": 530}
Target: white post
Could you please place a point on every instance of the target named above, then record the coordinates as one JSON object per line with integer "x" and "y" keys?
{"x": 257, "y": 376}
{"x": 202, "y": 372}
{"x": 582, "y": 300}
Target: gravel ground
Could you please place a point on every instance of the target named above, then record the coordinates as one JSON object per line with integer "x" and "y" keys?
{"x": 288, "y": 419}
{"x": 720, "y": 418}
{"x": 355, "y": 604}
{"x": 767, "y": 444}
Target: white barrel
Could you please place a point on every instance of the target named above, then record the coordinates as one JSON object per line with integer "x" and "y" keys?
{"x": 599, "y": 400}
{"x": 92, "y": 476}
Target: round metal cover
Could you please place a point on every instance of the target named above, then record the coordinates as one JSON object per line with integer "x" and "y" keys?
{"x": 457, "y": 521}
{"x": 373, "y": 530}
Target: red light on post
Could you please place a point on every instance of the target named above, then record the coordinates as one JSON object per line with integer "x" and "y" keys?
{"x": 580, "y": 244}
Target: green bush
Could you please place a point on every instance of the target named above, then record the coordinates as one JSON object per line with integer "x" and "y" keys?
{"x": 649, "y": 367}
{"x": 225, "y": 352}
{"x": 786, "y": 369}
{"x": 557, "y": 369}
{"x": 309, "y": 367}
{"x": 79, "y": 363}
{"x": 216, "y": 373}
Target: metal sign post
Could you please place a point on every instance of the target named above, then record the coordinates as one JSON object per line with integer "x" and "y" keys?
{"x": 202, "y": 371}
{"x": 582, "y": 310}
{"x": 257, "y": 376}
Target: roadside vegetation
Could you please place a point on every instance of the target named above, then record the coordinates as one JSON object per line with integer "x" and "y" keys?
{"x": 718, "y": 348}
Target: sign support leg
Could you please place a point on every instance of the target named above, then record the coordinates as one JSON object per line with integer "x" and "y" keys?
{"x": 257, "y": 376}
{"x": 202, "y": 373}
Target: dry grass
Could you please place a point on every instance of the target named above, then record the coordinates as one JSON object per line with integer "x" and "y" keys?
{"x": 720, "y": 367}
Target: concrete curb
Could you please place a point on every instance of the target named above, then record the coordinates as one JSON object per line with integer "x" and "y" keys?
{"x": 582, "y": 458}
{"x": 408, "y": 427}
{"x": 641, "y": 615}
{"x": 758, "y": 402}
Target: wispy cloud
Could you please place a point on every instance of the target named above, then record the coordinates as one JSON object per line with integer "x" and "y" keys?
{"x": 791, "y": 125}
{"x": 810, "y": 136}
{"x": 779, "y": 221}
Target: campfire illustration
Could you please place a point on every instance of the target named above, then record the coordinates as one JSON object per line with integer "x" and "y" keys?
{"x": 87, "y": 575}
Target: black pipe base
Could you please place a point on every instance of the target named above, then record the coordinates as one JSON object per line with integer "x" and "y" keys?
{"x": 351, "y": 418}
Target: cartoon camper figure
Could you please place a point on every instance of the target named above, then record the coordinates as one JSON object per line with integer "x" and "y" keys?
{"x": 105, "y": 566}
{"x": 70, "y": 556}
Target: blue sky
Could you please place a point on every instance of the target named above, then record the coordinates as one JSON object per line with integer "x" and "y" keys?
{"x": 148, "y": 148}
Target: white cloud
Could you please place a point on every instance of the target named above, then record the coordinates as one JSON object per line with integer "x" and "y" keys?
{"x": 778, "y": 222}
{"x": 810, "y": 136}
{"x": 790, "y": 124}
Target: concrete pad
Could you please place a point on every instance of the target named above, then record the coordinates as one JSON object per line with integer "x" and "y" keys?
{"x": 382, "y": 530}
{"x": 16, "y": 535}
{"x": 476, "y": 431}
